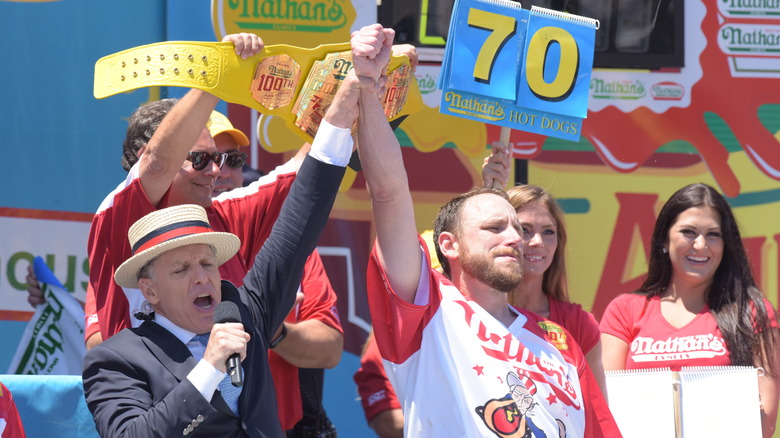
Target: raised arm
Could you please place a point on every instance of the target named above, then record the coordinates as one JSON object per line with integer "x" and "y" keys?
{"x": 166, "y": 151}
{"x": 278, "y": 267}
{"x": 380, "y": 155}
{"x": 182, "y": 127}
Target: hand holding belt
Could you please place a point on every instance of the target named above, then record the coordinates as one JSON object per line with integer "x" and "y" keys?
{"x": 269, "y": 82}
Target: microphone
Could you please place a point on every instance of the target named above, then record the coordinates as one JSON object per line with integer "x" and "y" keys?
{"x": 227, "y": 311}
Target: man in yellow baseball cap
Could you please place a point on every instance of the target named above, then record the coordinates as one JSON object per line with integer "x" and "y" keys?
{"x": 228, "y": 140}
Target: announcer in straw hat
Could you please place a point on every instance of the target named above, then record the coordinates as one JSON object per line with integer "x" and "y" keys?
{"x": 167, "y": 377}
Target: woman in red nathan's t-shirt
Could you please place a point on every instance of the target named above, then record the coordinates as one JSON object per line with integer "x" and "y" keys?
{"x": 699, "y": 305}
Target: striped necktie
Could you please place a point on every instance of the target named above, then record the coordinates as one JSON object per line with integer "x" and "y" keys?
{"x": 229, "y": 392}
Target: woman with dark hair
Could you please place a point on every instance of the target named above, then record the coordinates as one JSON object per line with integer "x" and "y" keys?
{"x": 544, "y": 289}
{"x": 699, "y": 298}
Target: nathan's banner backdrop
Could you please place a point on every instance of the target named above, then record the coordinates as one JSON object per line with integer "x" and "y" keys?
{"x": 526, "y": 70}
{"x": 53, "y": 341}
{"x": 301, "y": 22}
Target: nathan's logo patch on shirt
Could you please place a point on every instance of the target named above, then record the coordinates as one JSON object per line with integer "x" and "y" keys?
{"x": 555, "y": 334}
{"x": 704, "y": 346}
{"x": 377, "y": 397}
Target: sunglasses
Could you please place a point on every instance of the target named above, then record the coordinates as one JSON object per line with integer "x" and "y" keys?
{"x": 201, "y": 159}
{"x": 233, "y": 159}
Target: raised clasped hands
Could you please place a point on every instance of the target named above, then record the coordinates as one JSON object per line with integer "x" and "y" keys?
{"x": 371, "y": 49}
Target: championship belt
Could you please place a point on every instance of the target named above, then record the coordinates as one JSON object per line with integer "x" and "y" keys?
{"x": 293, "y": 83}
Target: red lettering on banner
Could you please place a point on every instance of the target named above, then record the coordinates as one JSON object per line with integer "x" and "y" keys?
{"x": 777, "y": 245}
{"x": 753, "y": 247}
{"x": 636, "y": 210}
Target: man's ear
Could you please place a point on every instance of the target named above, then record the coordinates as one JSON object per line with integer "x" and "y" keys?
{"x": 140, "y": 151}
{"x": 448, "y": 244}
{"x": 149, "y": 290}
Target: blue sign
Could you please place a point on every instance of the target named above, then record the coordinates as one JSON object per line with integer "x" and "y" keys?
{"x": 527, "y": 70}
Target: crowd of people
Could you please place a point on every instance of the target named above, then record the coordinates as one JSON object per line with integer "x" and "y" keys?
{"x": 192, "y": 265}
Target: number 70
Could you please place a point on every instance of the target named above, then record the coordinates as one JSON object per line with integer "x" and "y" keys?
{"x": 502, "y": 28}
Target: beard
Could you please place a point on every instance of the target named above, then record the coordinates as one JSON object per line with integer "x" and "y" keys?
{"x": 483, "y": 268}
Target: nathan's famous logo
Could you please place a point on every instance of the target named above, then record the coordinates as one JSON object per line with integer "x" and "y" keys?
{"x": 555, "y": 334}
{"x": 667, "y": 91}
{"x": 341, "y": 68}
{"x": 705, "y": 346}
{"x": 508, "y": 416}
{"x": 617, "y": 89}
{"x": 45, "y": 345}
{"x": 750, "y": 8}
{"x": 427, "y": 84}
{"x": 473, "y": 106}
{"x": 749, "y": 38}
{"x": 291, "y": 17}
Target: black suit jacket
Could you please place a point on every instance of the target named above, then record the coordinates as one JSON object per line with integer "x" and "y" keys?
{"x": 135, "y": 382}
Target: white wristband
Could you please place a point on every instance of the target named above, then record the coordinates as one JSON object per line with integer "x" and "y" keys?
{"x": 332, "y": 145}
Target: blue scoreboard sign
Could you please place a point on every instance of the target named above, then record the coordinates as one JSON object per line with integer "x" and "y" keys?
{"x": 527, "y": 70}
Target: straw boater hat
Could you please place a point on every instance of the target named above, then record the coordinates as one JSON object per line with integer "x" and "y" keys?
{"x": 167, "y": 229}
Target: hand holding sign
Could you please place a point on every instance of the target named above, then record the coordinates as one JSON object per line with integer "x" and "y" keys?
{"x": 495, "y": 168}
{"x": 518, "y": 69}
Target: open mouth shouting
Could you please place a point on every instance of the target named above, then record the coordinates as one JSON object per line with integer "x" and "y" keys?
{"x": 204, "y": 301}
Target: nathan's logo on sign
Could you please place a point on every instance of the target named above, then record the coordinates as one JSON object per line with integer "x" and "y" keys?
{"x": 750, "y": 8}
{"x": 474, "y": 106}
{"x": 40, "y": 356}
{"x": 293, "y": 22}
{"x": 740, "y": 39}
{"x": 667, "y": 91}
{"x": 618, "y": 89}
{"x": 426, "y": 83}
